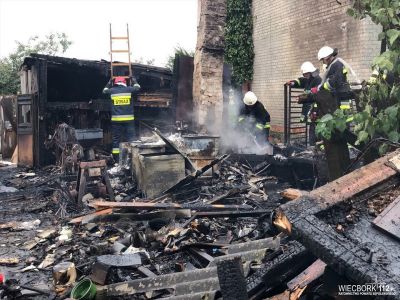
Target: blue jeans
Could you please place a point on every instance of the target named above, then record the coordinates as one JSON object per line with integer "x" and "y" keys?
{"x": 122, "y": 132}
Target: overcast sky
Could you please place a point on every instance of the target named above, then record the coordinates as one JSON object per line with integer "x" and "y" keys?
{"x": 156, "y": 26}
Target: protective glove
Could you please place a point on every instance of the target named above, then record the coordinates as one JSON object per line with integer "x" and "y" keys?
{"x": 314, "y": 90}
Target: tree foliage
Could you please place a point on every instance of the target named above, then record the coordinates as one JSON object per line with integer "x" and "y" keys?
{"x": 180, "y": 51}
{"x": 380, "y": 101}
{"x": 51, "y": 44}
{"x": 239, "y": 49}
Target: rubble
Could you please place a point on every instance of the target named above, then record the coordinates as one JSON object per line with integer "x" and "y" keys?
{"x": 194, "y": 238}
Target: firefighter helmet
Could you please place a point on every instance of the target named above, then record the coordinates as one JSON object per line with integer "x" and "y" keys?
{"x": 324, "y": 52}
{"x": 120, "y": 80}
{"x": 250, "y": 98}
{"x": 307, "y": 67}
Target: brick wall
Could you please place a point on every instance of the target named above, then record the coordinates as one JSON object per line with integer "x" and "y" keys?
{"x": 287, "y": 33}
{"x": 208, "y": 65}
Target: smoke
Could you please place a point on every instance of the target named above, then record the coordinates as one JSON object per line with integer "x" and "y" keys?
{"x": 234, "y": 136}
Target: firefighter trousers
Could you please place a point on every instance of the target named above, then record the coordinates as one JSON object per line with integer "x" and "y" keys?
{"x": 122, "y": 132}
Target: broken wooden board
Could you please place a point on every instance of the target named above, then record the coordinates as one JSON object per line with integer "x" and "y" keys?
{"x": 78, "y": 220}
{"x": 310, "y": 274}
{"x": 193, "y": 176}
{"x": 115, "y": 217}
{"x": 148, "y": 205}
{"x": 122, "y": 260}
{"x": 389, "y": 219}
{"x": 9, "y": 260}
{"x": 348, "y": 185}
{"x": 292, "y": 194}
{"x": 347, "y": 256}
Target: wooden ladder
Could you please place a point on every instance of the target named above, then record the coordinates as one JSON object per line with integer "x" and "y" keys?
{"x": 127, "y": 51}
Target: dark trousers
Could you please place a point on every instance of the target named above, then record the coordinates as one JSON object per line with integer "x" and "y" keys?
{"x": 122, "y": 132}
{"x": 312, "y": 139}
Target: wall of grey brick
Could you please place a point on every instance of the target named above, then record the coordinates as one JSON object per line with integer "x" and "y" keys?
{"x": 287, "y": 33}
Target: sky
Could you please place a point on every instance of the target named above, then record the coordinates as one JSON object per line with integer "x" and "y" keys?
{"x": 155, "y": 26}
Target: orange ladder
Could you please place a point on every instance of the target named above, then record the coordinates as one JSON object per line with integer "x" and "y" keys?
{"x": 127, "y": 51}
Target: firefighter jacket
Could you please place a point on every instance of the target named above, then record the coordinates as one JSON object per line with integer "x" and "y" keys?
{"x": 122, "y": 97}
{"x": 308, "y": 99}
{"x": 259, "y": 114}
{"x": 335, "y": 81}
{"x": 307, "y": 84}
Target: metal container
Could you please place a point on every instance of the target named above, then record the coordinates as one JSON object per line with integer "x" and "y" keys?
{"x": 201, "y": 149}
{"x": 158, "y": 172}
{"x": 89, "y": 134}
{"x": 201, "y": 146}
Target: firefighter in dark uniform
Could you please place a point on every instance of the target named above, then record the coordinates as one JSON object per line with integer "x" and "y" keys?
{"x": 333, "y": 93}
{"x": 255, "y": 118}
{"x": 122, "y": 111}
{"x": 309, "y": 80}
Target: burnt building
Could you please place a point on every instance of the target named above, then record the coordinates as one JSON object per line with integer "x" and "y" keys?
{"x": 57, "y": 89}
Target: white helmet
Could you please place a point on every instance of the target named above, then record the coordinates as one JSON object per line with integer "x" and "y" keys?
{"x": 324, "y": 52}
{"x": 307, "y": 67}
{"x": 250, "y": 98}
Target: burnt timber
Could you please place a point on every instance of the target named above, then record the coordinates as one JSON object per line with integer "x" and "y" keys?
{"x": 357, "y": 255}
{"x": 57, "y": 89}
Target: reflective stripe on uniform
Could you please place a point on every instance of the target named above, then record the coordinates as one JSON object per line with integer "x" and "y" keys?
{"x": 345, "y": 105}
{"x": 241, "y": 119}
{"x": 259, "y": 126}
{"x": 121, "y": 118}
{"x": 297, "y": 81}
{"x": 267, "y": 125}
{"x": 121, "y": 99}
{"x": 327, "y": 86}
{"x": 349, "y": 119}
{"x": 115, "y": 151}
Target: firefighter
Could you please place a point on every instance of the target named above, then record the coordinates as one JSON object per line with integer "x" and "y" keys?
{"x": 255, "y": 118}
{"x": 309, "y": 80}
{"x": 334, "y": 92}
{"x": 122, "y": 111}
{"x": 334, "y": 80}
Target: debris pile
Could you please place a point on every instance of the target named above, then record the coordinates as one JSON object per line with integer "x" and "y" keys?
{"x": 181, "y": 239}
{"x": 209, "y": 234}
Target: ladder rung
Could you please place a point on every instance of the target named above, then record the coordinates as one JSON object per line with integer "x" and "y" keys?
{"x": 120, "y": 64}
{"x": 120, "y": 76}
{"x": 120, "y": 51}
{"x": 119, "y": 37}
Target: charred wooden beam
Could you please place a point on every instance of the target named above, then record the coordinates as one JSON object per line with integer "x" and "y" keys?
{"x": 289, "y": 262}
{"x": 231, "y": 192}
{"x": 310, "y": 274}
{"x": 192, "y": 177}
{"x": 155, "y": 283}
{"x": 195, "y": 296}
{"x": 272, "y": 243}
{"x": 115, "y": 217}
{"x": 347, "y": 256}
{"x": 196, "y": 286}
{"x": 232, "y": 214}
{"x": 148, "y": 205}
{"x": 231, "y": 279}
